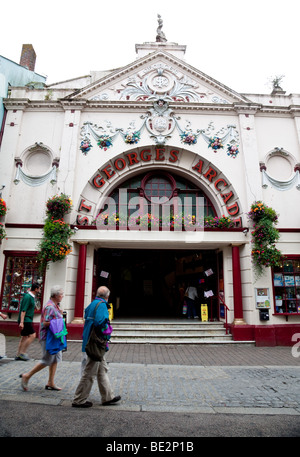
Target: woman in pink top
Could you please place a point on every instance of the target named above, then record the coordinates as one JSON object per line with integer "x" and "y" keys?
{"x": 50, "y": 311}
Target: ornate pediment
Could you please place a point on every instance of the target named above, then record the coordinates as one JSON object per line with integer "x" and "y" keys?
{"x": 159, "y": 76}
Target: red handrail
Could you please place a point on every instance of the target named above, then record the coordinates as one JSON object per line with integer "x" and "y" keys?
{"x": 226, "y": 309}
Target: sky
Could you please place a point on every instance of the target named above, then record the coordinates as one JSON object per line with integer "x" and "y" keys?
{"x": 243, "y": 45}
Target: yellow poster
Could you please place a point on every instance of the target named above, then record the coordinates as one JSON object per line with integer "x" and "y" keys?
{"x": 204, "y": 312}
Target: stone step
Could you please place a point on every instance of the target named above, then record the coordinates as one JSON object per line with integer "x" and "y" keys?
{"x": 169, "y": 331}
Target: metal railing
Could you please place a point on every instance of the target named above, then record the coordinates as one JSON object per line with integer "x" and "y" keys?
{"x": 221, "y": 302}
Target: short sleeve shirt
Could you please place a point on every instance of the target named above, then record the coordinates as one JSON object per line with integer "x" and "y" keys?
{"x": 50, "y": 311}
{"x": 27, "y": 305}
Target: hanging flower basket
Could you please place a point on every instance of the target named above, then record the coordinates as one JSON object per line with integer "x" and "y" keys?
{"x": 260, "y": 211}
{"x": 52, "y": 251}
{"x": 54, "y": 245}
{"x": 3, "y": 208}
{"x": 264, "y": 237}
{"x": 215, "y": 143}
{"x": 104, "y": 142}
{"x": 58, "y": 206}
{"x": 2, "y": 232}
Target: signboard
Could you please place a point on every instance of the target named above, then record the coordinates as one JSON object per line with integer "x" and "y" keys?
{"x": 204, "y": 312}
{"x": 262, "y": 298}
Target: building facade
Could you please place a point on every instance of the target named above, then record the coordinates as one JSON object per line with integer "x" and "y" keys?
{"x": 147, "y": 153}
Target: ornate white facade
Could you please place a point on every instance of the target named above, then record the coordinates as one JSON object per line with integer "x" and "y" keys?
{"x": 87, "y": 136}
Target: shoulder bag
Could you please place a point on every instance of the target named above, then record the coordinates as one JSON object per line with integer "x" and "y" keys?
{"x": 96, "y": 346}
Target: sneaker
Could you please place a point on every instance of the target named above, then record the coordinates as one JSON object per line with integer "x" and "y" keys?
{"x": 113, "y": 400}
{"x": 23, "y": 357}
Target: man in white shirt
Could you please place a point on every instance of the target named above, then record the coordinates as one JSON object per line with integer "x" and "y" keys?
{"x": 190, "y": 296}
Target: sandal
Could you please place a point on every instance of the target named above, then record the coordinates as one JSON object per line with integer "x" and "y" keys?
{"x": 52, "y": 388}
{"x": 23, "y": 383}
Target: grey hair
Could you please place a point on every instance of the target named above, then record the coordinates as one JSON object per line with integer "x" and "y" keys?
{"x": 103, "y": 292}
{"x": 55, "y": 290}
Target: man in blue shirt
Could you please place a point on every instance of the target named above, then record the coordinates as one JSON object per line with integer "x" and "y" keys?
{"x": 94, "y": 368}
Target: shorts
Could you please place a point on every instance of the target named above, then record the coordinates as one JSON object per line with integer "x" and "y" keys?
{"x": 47, "y": 358}
{"x": 27, "y": 329}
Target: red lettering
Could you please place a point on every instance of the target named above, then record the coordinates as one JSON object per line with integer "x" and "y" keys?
{"x": 238, "y": 222}
{"x": 220, "y": 180}
{"x": 108, "y": 171}
{"x": 198, "y": 166}
{"x": 83, "y": 206}
{"x": 233, "y": 209}
{"x": 148, "y": 157}
{"x": 173, "y": 156}
{"x": 82, "y": 220}
{"x": 116, "y": 164}
{"x": 98, "y": 181}
{"x": 210, "y": 174}
{"x": 132, "y": 158}
{"x": 227, "y": 197}
{"x": 160, "y": 155}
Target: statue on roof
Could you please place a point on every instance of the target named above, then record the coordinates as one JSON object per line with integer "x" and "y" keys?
{"x": 160, "y": 37}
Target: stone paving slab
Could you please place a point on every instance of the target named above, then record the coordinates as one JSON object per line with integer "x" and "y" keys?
{"x": 190, "y": 354}
{"x": 168, "y": 388}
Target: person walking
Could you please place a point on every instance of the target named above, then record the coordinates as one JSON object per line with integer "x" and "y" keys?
{"x": 50, "y": 311}
{"x": 25, "y": 320}
{"x": 91, "y": 368}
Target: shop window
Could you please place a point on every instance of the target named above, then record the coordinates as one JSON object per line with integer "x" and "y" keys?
{"x": 20, "y": 271}
{"x": 286, "y": 286}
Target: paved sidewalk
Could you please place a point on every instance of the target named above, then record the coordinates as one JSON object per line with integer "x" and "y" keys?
{"x": 194, "y": 379}
{"x": 185, "y": 354}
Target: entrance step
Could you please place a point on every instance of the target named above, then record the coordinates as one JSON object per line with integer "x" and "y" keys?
{"x": 169, "y": 331}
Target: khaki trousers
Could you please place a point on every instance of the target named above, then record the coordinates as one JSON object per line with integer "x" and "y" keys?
{"x": 91, "y": 370}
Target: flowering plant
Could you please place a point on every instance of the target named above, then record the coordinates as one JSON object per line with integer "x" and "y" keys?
{"x": 132, "y": 138}
{"x": 188, "y": 138}
{"x": 52, "y": 251}
{"x": 232, "y": 151}
{"x": 54, "y": 245}
{"x": 264, "y": 236}
{"x": 2, "y": 232}
{"x": 104, "y": 142}
{"x": 58, "y": 206}
{"x": 85, "y": 146}
{"x": 218, "y": 222}
{"x": 260, "y": 211}
{"x": 3, "y": 207}
{"x": 215, "y": 143}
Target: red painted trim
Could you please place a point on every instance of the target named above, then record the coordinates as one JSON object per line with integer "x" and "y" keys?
{"x": 94, "y": 227}
{"x": 237, "y": 283}
{"x": 20, "y": 226}
{"x": 80, "y": 285}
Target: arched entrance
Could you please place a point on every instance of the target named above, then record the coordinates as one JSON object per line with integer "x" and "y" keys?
{"x": 163, "y": 173}
{"x": 152, "y": 282}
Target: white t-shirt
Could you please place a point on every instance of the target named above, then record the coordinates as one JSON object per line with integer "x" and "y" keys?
{"x": 191, "y": 292}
